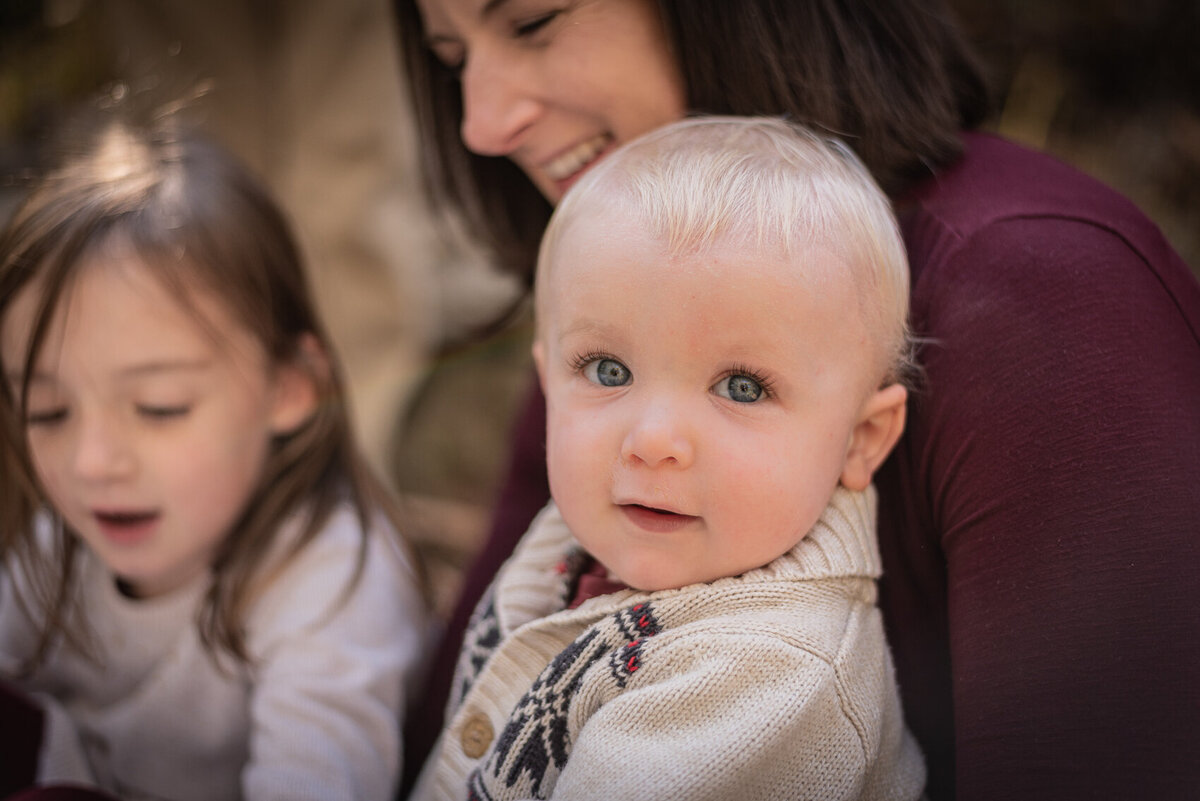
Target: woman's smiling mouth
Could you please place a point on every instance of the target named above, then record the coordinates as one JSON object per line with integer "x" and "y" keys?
{"x": 569, "y": 163}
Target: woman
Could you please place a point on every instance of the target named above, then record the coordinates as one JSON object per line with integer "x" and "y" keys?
{"x": 1037, "y": 520}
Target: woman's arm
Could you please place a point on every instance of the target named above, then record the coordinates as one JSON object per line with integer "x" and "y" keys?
{"x": 525, "y": 491}
{"x": 1041, "y": 520}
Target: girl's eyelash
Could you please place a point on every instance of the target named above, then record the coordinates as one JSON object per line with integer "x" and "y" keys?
{"x": 163, "y": 412}
{"x": 45, "y": 418}
{"x": 763, "y": 380}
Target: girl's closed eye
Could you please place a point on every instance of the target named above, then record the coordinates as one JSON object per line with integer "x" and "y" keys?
{"x": 743, "y": 386}
{"x": 45, "y": 416}
{"x": 603, "y": 369}
{"x": 166, "y": 411}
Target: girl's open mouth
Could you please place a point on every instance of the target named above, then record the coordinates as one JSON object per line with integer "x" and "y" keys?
{"x": 126, "y": 527}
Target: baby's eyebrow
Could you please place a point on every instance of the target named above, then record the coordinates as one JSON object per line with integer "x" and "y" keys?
{"x": 585, "y": 327}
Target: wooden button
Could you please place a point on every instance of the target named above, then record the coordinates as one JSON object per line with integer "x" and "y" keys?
{"x": 477, "y": 735}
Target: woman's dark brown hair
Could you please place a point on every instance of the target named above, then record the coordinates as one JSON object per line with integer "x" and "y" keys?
{"x": 194, "y": 217}
{"x": 894, "y": 78}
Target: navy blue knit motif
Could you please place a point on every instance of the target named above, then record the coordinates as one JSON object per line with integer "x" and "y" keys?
{"x": 475, "y": 789}
{"x": 637, "y": 623}
{"x": 480, "y": 640}
{"x": 534, "y": 745}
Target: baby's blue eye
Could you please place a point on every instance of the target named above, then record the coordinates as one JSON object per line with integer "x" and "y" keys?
{"x": 739, "y": 388}
{"x": 608, "y": 372}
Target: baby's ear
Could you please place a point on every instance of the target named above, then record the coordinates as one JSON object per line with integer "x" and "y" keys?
{"x": 297, "y": 386}
{"x": 880, "y": 424}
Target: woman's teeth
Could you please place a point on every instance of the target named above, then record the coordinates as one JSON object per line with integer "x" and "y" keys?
{"x": 577, "y": 158}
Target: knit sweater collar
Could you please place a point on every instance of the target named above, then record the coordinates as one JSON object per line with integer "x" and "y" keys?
{"x": 536, "y": 581}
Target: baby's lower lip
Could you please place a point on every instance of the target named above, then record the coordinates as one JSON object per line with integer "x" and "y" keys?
{"x": 656, "y": 520}
{"x": 126, "y": 528}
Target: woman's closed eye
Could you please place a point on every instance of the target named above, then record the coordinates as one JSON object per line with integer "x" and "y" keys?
{"x": 529, "y": 26}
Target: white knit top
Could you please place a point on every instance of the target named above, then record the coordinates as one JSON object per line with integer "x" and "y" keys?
{"x": 316, "y": 717}
{"x": 776, "y": 684}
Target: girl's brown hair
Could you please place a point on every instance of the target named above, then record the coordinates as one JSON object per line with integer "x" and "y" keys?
{"x": 195, "y": 217}
{"x": 894, "y": 78}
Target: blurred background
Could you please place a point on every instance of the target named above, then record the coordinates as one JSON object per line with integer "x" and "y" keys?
{"x": 309, "y": 95}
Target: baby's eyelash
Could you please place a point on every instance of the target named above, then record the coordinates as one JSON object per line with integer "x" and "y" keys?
{"x": 763, "y": 380}
{"x": 582, "y": 360}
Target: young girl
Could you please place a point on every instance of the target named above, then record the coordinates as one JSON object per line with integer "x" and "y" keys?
{"x": 201, "y": 588}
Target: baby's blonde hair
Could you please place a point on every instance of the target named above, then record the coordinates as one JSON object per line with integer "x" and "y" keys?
{"x": 764, "y": 182}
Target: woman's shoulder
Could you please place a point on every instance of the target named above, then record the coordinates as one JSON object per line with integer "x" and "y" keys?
{"x": 997, "y": 181}
{"x": 1006, "y": 220}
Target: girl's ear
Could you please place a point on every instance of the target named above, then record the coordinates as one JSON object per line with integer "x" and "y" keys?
{"x": 297, "y": 385}
{"x": 880, "y": 424}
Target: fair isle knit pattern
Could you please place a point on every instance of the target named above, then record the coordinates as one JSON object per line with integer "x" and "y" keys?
{"x": 773, "y": 684}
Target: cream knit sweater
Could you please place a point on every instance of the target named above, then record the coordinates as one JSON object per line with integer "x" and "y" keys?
{"x": 776, "y": 684}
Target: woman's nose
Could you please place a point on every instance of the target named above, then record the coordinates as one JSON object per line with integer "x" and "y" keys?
{"x": 659, "y": 437}
{"x": 498, "y": 105}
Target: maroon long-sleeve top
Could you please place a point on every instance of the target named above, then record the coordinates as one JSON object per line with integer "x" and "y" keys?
{"x": 1040, "y": 519}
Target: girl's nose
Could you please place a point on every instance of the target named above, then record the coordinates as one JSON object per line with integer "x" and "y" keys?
{"x": 659, "y": 438}
{"x": 498, "y": 105}
{"x": 102, "y": 452}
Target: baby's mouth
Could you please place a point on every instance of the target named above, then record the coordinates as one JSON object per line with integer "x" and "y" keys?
{"x": 655, "y": 519}
{"x": 653, "y": 509}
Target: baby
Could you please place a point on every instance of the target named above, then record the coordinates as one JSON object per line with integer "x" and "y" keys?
{"x": 721, "y": 338}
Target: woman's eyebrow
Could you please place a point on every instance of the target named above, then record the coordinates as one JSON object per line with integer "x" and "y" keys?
{"x": 488, "y": 9}
{"x": 491, "y": 7}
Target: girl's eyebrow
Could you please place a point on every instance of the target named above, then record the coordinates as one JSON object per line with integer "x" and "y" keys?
{"x": 16, "y": 378}
{"x": 163, "y": 366}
